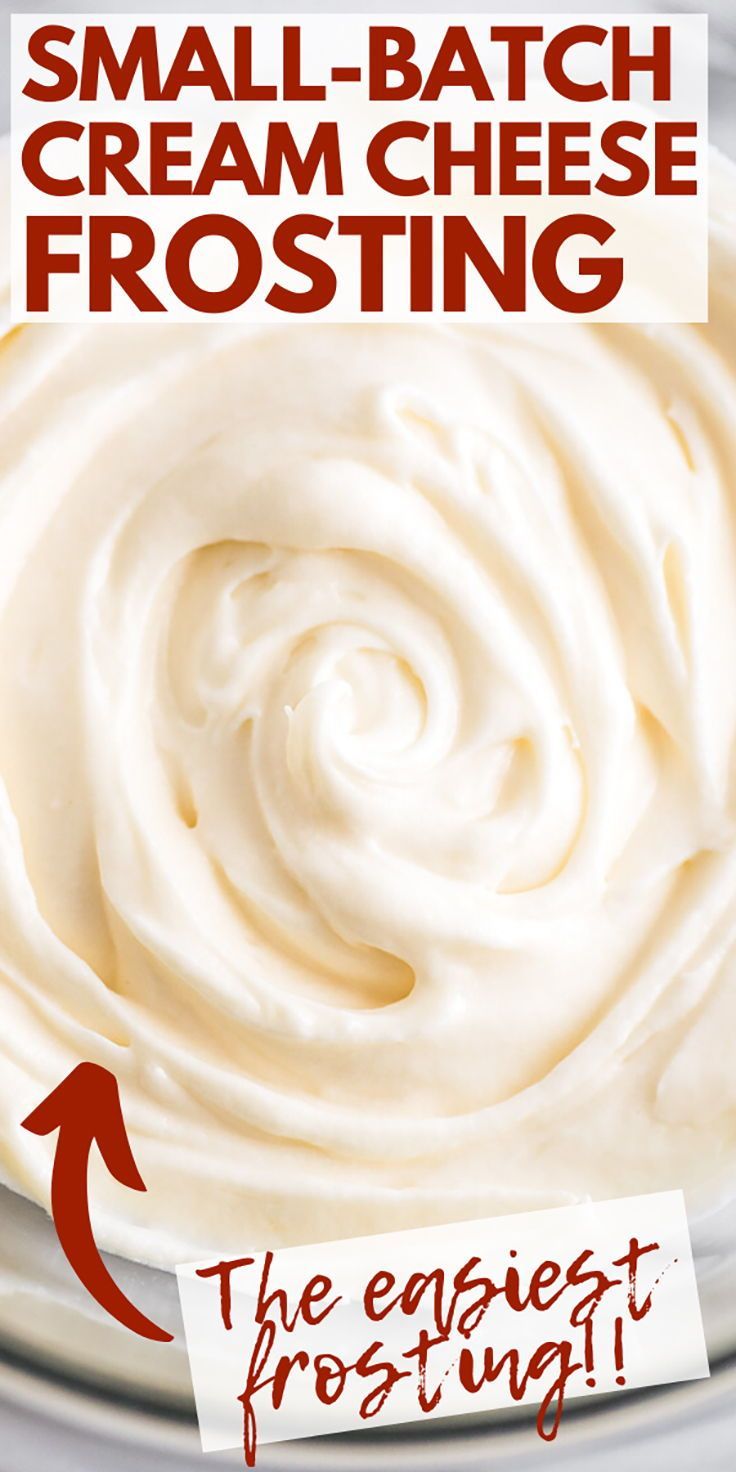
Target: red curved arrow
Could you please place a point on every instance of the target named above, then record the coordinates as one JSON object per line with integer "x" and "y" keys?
{"x": 85, "y": 1107}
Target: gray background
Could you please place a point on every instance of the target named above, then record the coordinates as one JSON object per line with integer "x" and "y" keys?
{"x": 722, "y": 43}
{"x": 35, "y": 1435}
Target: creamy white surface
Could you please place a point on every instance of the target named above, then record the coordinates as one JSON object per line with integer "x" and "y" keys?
{"x": 367, "y": 718}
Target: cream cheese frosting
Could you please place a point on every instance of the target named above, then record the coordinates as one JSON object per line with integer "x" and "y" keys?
{"x": 367, "y": 731}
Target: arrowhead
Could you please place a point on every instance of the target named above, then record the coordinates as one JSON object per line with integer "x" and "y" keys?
{"x": 86, "y": 1106}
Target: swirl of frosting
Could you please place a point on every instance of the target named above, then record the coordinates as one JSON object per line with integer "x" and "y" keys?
{"x": 366, "y": 752}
